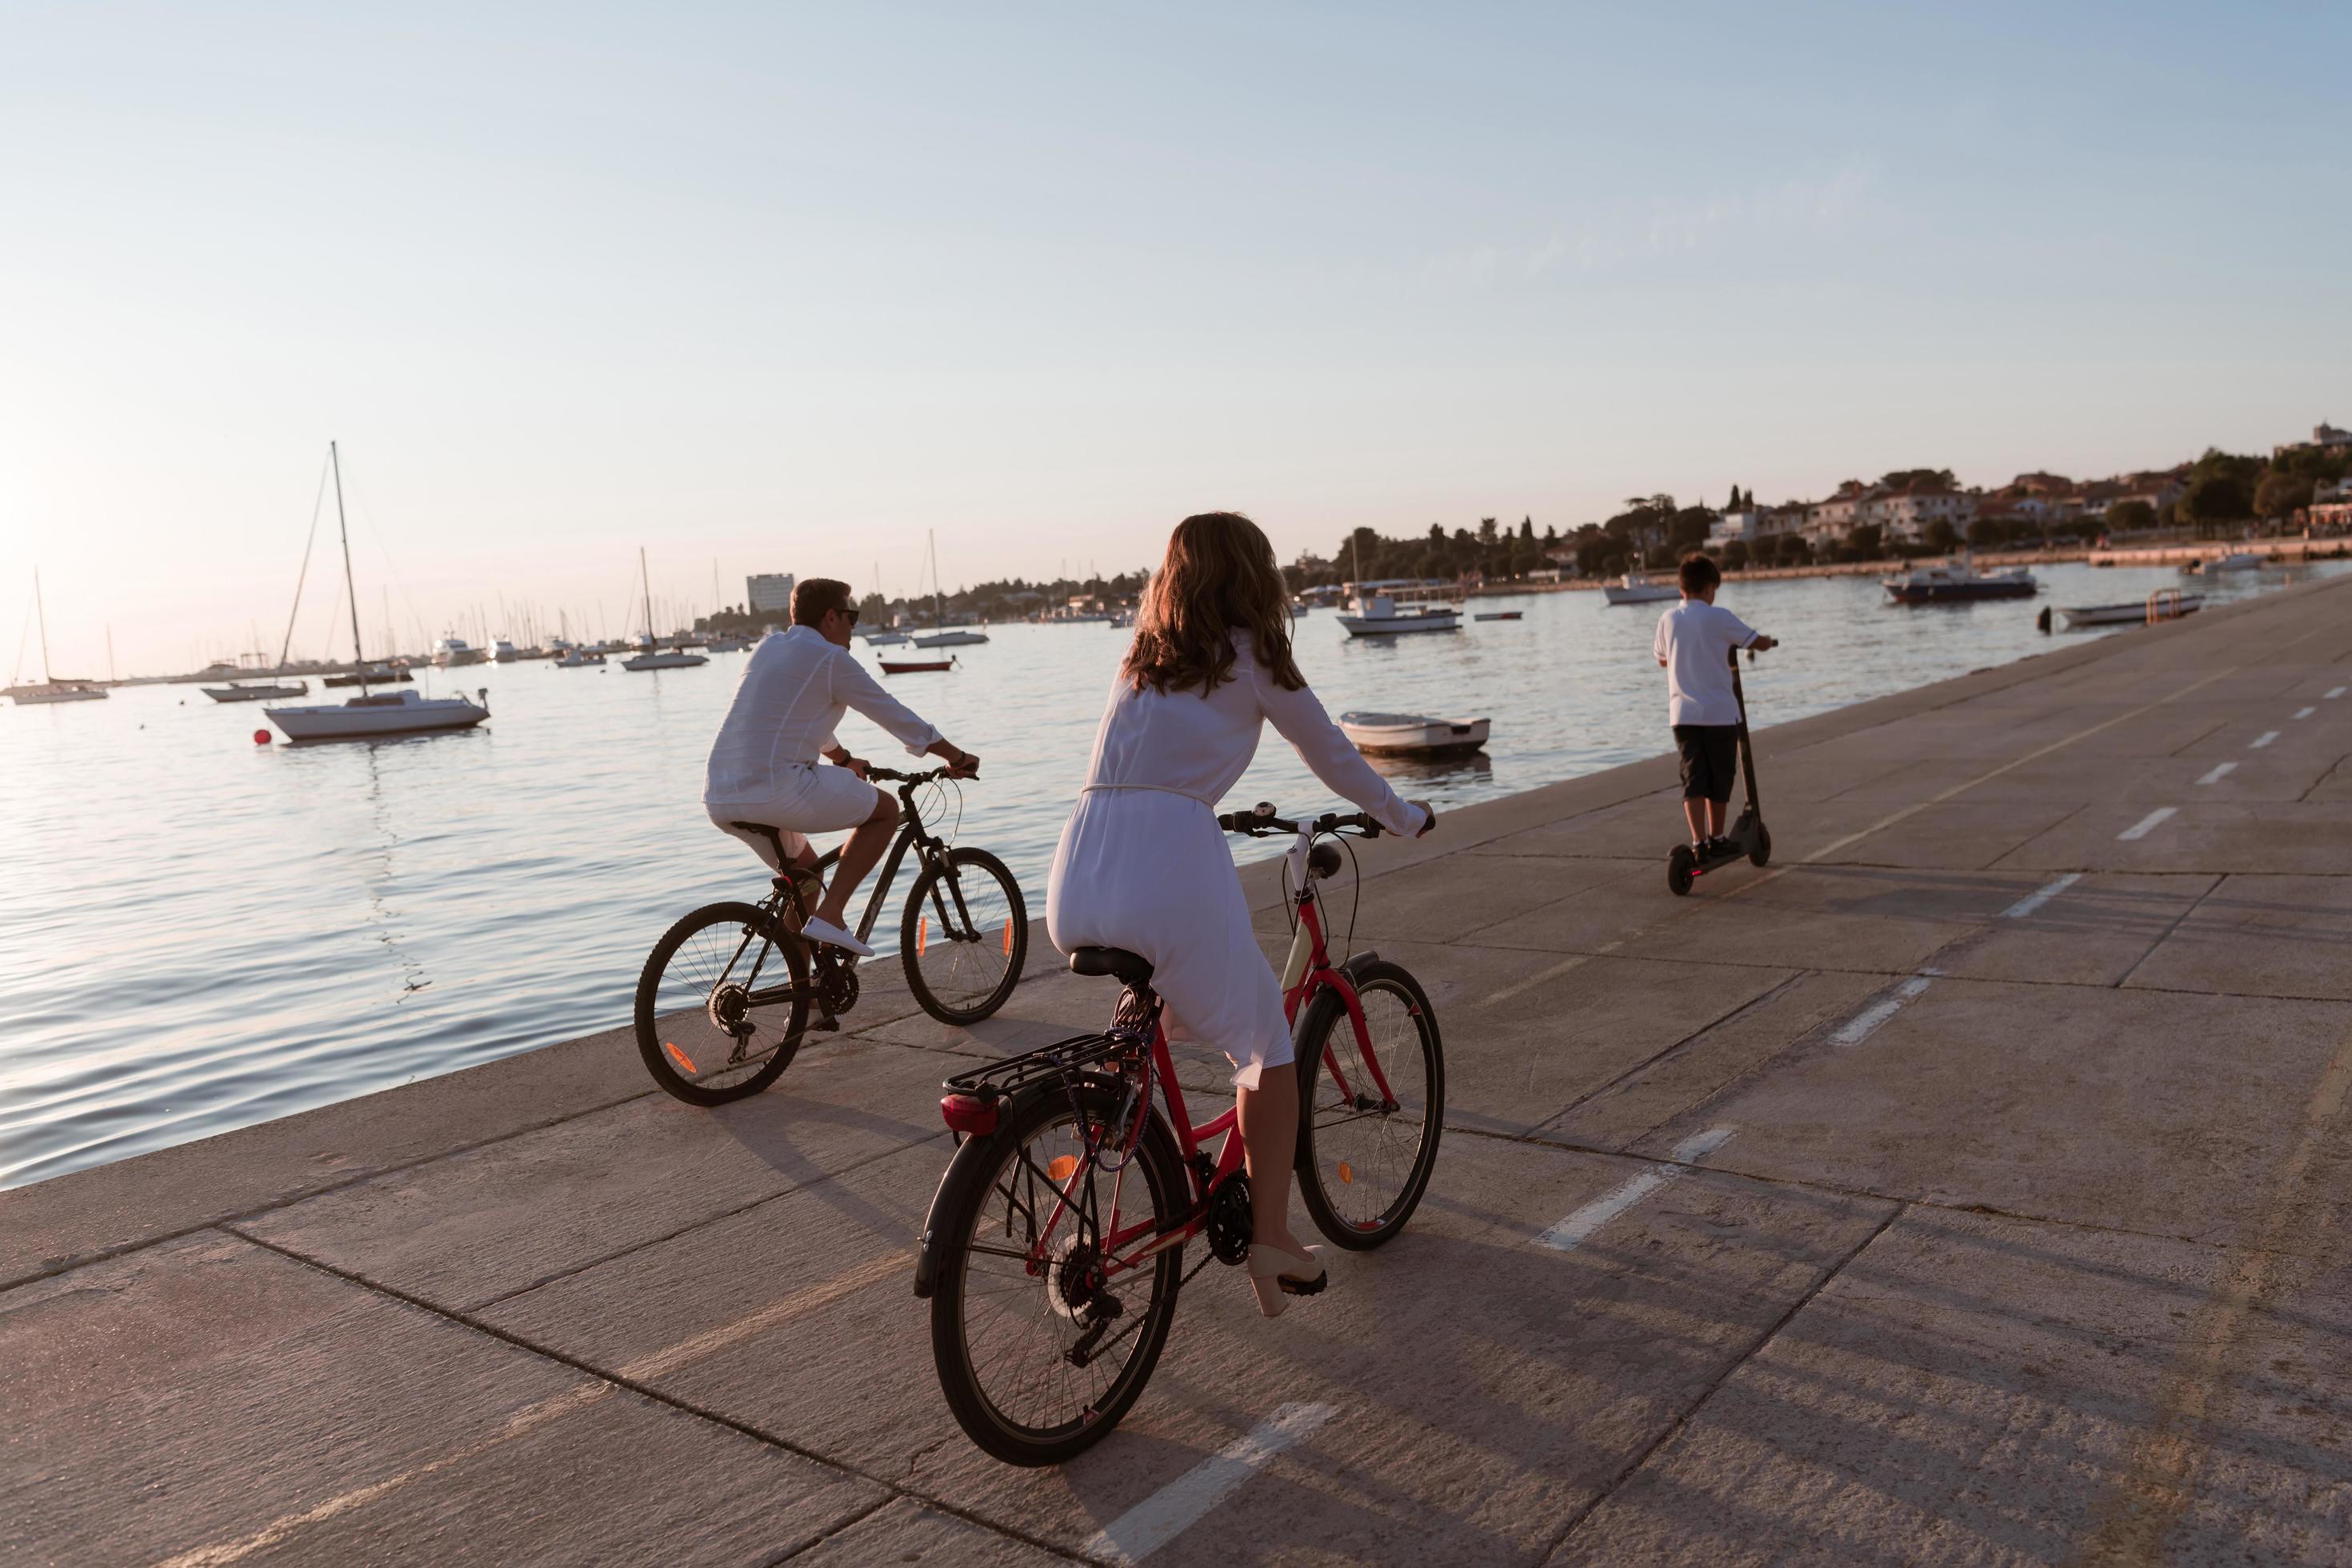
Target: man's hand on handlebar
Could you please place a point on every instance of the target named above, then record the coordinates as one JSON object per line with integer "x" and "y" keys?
{"x": 841, "y": 758}
{"x": 962, "y": 765}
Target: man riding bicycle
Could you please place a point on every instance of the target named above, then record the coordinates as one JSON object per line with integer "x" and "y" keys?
{"x": 764, "y": 766}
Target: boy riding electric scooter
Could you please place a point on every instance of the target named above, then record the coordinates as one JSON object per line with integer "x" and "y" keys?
{"x": 1697, "y": 644}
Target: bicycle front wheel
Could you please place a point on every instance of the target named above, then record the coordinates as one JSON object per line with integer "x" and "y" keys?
{"x": 1370, "y": 1107}
{"x": 964, "y": 937}
{"x": 1042, "y": 1338}
{"x": 722, "y": 1004}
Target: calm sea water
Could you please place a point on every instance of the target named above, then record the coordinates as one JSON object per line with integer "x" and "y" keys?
{"x": 197, "y": 933}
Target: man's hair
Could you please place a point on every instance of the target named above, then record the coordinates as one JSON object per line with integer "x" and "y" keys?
{"x": 1697, "y": 573}
{"x": 813, "y": 597}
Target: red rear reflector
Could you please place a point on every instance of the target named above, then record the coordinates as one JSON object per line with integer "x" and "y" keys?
{"x": 968, "y": 1114}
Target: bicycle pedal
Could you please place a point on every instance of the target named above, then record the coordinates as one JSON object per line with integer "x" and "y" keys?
{"x": 826, "y": 1024}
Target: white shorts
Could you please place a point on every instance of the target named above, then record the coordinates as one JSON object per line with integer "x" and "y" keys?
{"x": 820, "y": 799}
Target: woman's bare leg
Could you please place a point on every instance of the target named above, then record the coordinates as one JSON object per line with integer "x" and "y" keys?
{"x": 1269, "y": 1124}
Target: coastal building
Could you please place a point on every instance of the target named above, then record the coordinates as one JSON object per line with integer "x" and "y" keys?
{"x": 2326, "y": 435}
{"x": 1906, "y": 514}
{"x": 769, "y": 590}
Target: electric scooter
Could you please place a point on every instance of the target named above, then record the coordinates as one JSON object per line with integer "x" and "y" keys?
{"x": 1748, "y": 836}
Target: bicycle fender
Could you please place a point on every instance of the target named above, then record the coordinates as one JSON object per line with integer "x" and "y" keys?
{"x": 1357, "y": 963}
{"x": 926, "y": 1251}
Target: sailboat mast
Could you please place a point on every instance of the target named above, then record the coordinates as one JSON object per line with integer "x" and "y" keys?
{"x": 343, "y": 527}
{"x": 42, "y": 615}
{"x": 645, "y": 581}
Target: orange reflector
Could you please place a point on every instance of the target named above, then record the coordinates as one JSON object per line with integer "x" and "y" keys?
{"x": 922, "y": 934}
{"x": 1347, "y": 1173}
{"x": 677, "y": 1056}
{"x": 1062, "y": 1164}
{"x": 1008, "y": 936}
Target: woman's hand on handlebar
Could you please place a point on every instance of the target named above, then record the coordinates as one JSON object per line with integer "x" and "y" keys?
{"x": 1429, "y": 815}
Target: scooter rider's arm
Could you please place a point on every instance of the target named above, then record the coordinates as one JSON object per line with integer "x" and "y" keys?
{"x": 1762, "y": 644}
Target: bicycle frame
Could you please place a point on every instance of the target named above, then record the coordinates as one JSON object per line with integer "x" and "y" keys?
{"x": 1316, "y": 972}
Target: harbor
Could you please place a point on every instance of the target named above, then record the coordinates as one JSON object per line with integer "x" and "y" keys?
{"x": 1967, "y": 1183}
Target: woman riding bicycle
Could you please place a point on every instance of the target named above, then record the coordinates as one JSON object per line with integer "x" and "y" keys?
{"x": 1142, "y": 864}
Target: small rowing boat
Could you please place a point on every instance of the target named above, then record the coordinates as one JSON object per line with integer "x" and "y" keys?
{"x": 1499, "y": 615}
{"x": 1414, "y": 734}
{"x": 2165, "y": 605}
{"x": 916, "y": 666}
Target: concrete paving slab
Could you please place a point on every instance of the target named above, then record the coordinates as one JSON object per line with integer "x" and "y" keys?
{"x": 2260, "y": 936}
{"x": 2077, "y": 929}
{"x": 1451, "y": 898}
{"x": 2299, "y": 839}
{"x": 208, "y": 1396}
{"x": 1843, "y": 917}
{"x": 2084, "y": 776}
{"x": 1978, "y": 1389}
{"x": 1955, "y": 836}
{"x": 906, "y": 1531}
{"x": 2137, "y": 1111}
{"x": 469, "y": 1230}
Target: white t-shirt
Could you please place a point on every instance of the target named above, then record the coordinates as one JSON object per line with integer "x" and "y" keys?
{"x": 1694, "y": 640}
{"x": 794, "y": 689}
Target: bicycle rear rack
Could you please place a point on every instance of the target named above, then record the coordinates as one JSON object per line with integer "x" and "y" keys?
{"x": 1002, "y": 1080}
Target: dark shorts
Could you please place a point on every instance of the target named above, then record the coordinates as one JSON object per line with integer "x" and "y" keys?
{"x": 1710, "y": 759}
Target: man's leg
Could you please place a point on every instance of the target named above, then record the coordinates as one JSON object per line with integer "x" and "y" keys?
{"x": 1715, "y": 810}
{"x": 858, "y": 858}
{"x": 1695, "y": 812}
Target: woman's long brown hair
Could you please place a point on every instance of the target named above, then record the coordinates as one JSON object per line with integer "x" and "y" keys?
{"x": 1218, "y": 578}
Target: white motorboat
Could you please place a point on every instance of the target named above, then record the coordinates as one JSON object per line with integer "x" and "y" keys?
{"x": 1637, "y": 588}
{"x": 384, "y": 713}
{"x": 959, "y": 637}
{"x": 729, "y": 643}
{"x": 663, "y": 658}
{"x": 886, "y": 638}
{"x": 504, "y": 652}
{"x": 49, "y": 689}
{"x": 371, "y": 716}
{"x": 1378, "y": 617}
{"x": 1959, "y": 583}
{"x": 2169, "y": 604}
{"x": 257, "y": 691}
{"x": 1414, "y": 734}
{"x": 451, "y": 652}
{"x": 2236, "y": 560}
{"x": 579, "y": 658}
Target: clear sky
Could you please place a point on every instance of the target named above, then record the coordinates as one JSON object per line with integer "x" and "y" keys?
{"x": 783, "y": 287}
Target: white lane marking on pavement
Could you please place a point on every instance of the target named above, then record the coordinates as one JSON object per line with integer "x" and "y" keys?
{"x": 1578, "y": 1228}
{"x": 2334, "y": 692}
{"x": 1538, "y": 978}
{"x": 2219, "y": 772}
{"x": 2040, "y": 896}
{"x": 1176, "y": 1506}
{"x": 533, "y": 1417}
{"x": 2146, "y": 825}
{"x": 2305, "y": 712}
{"x": 2264, "y": 739}
{"x": 1865, "y": 1024}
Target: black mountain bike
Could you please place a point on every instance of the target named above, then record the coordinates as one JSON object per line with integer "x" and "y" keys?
{"x": 726, "y": 994}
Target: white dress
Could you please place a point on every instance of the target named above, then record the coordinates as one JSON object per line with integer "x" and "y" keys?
{"x": 1143, "y": 866}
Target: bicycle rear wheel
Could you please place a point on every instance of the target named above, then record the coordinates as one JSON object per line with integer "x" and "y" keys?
{"x": 1365, "y": 1155}
{"x": 722, "y": 1004}
{"x": 964, "y": 937}
{"x": 1039, "y": 1352}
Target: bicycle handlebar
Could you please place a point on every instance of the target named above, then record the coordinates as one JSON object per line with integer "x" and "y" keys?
{"x": 895, "y": 776}
{"x": 1261, "y": 821}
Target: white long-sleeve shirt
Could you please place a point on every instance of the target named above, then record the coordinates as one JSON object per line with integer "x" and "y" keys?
{"x": 794, "y": 689}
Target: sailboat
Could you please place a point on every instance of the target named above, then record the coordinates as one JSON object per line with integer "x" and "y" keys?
{"x": 958, "y": 638}
{"x": 370, "y": 716}
{"x": 50, "y": 688}
{"x": 654, "y": 656}
{"x": 267, "y": 690}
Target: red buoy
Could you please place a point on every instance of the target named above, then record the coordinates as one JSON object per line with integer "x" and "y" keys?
{"x": 261, "y": 737}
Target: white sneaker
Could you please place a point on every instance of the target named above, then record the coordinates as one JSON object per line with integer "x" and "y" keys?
{"x": 832, "y": 935}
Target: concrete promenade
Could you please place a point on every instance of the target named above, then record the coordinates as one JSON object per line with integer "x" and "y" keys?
{"x": 1968, "y": 1186}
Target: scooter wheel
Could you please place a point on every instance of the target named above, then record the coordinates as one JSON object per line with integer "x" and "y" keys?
{"x": 1680, "y": 867}
{"x": 1762, "y": 851}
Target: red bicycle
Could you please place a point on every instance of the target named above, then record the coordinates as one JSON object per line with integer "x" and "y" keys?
{"x": 1053, "y": 1253}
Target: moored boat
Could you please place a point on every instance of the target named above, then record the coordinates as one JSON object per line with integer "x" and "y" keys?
{"x": 1959, "y": 582}
{"x": 914, "y": 665}
{"x": 579, "y": 658}
{"x": 374, "y": 674}
{"x": 2236, "y": 560}
{"x": 503, "y": 652}
{"x": 958, "y": 638}
{"x": 1637, "y": 588}
{"x": 49, "y": 689}
{"x": 452, "y": 652}
{"x": 1499, "y": 615}
{"x": 2167, "y": 603}
{"x": 1378, "y": 617}
{"x": 1414, "y": 734}
{"x": 257, "y": 691}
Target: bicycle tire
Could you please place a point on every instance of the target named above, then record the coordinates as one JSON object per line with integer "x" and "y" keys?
{"x": 965, "y": 1209}
{"x": 1332, "y": 1156}
{"x": 928, "y": 923}
{"x": 660, "y": 1019}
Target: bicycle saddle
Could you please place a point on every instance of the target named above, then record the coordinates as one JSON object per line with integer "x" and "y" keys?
{"x": 1131, "y": 968}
